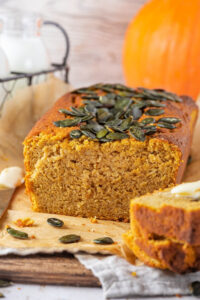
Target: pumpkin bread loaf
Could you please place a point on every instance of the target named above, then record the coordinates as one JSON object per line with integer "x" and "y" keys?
{"x": 99, "y": 147}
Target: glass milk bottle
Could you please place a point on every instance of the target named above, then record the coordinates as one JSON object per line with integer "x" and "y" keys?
{"x": 4, "y": 72}
{"x": 23, "y": 44}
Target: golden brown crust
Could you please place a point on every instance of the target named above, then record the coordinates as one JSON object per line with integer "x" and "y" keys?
{"x": 169, "y": 221}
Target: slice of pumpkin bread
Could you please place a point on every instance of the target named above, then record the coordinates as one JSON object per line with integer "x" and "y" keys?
{"x": 172, "y": 213}
{"x": 164, "y": 253}
{"x": 101, "y": 146}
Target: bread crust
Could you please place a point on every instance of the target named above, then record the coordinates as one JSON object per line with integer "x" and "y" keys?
{"x": 169, "y": 221}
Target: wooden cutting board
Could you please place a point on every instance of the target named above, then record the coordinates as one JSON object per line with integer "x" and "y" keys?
{"x": 62, "y": 269}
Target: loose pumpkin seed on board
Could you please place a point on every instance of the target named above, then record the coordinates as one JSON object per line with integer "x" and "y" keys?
{"x": 104, "y": 241}
{"x": 70, "y": 238}
{"x": 17, "y": 234}
{"x": 55, "y": 222}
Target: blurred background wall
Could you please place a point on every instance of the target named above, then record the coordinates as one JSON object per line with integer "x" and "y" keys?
{"x": 96, "y": 30}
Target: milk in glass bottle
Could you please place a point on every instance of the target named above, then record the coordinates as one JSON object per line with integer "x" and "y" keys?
{"x": 22, "y": 42}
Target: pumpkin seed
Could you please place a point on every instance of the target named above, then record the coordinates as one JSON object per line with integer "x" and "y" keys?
{"x": 67, "y": 122}
{"x": 108, "y": 100}
{"x": 166, "y": 125}
{"x": 121, "y": 87}
{"x": 73, "y": 112}
{"x": 91, "y": 97}
{"x": 106, "y": 89}
{"x": 90, "y": 108}
{"x": 103, "y": 115}
{"x": 88, "y": 134}
{"x": 154, "y": 103}
{"x": 94, "y": 103}
{"x": 148, "y": 121}
{"x": 5, "y": 283}
{"x": 83, "y": 91}
{"x": 170, "y": 120}
{"x": 126, "y": 124}
{"x": 154, "y": 112}
{"x": 104, "y": 241}
{"x": 70, "y": 238}
{"x": 114, "y": 123}
{"x": 137, "y": 133}
{"x": 55, "y": 222}
{"x": 195, "y": 287}
{"x": 122, "y": 103}
{"x": 17, "y": 234}
{"x": 75, "y": 134}
{"x": 94, "y": 126}
{"x": 136, "y": 112}
{"x": 149, "y": 130}
{"x": 117, "y": 136}
{"x": 102, "y": 133}
{"x": 86, "y": 118}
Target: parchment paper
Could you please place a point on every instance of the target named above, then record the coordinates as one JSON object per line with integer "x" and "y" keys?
{"x": 19, "y": 115}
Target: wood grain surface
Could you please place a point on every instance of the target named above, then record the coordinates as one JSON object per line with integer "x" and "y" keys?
{"x": 61, "y": 269}
{"x": 96, "y": 30}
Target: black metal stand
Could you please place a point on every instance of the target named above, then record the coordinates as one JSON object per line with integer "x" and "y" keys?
{"x": 15, "y": 76}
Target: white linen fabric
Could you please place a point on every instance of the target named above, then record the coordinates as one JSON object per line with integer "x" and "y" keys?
{"x": 115, "y": 275}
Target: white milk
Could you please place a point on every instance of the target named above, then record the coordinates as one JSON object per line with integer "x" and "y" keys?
{"x": 23, "y": 45}
{"x": 25, "y": 53}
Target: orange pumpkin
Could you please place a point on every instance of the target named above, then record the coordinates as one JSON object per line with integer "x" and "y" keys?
{"x": 162, "y": 47}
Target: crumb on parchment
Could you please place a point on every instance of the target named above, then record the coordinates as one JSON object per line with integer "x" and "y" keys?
{"x": 93, "y": 220}
{"x": 27, "y": 222}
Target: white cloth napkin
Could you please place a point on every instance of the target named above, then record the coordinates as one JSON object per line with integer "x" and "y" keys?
{"x": 114, "y": 273}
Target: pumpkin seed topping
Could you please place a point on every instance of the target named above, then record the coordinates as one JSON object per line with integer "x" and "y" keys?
{"x": 154, "y": 112}
{"x": 70, "y": 238}
{"x": 88, "y": 133}
{"x": 17, "y": 234}
{"x": 148, "y": 121}
{"x": 169, "y": 120}
{"x": 68, "y": 122}
{"x": 166, "y": 125}
{"x": 104, "y": 241}
{"x": 116, "y": 136}
{"x": 75, "y": 134}
{"x": 137, "y": 133}
{"x": 102, "y": 133}
{"x": 112, "y": 112}
{"x": 55, "y": 222}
